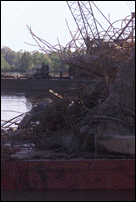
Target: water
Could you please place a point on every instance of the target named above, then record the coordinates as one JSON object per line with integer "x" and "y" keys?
{"x": 14, "y": 73}
{"x": 12, "y": 106}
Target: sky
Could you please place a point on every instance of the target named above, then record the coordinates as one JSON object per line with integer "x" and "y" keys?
{"x": 47, "y": 21}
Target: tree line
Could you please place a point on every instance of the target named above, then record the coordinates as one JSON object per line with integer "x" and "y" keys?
{"x": 12, "y": 61}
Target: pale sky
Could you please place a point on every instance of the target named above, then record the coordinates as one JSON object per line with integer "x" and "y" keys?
{"x": 47, "y": 20}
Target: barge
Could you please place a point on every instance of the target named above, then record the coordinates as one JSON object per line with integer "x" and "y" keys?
{"x": 36, "y": 85}
{"x": 73, "y": 174}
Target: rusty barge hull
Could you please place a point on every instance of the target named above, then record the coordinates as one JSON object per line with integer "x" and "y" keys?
{"x": 103, "y": 174}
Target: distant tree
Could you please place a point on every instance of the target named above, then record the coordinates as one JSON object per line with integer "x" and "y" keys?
{"x": 36, "y": 57}
{"x": 26, "y": 62}
{"x": 13, "y": 68}
{"x": 57, "y": 64}
{"x": 4, "y": 65}
{"x": 39, "y": 58}
{"x": 16, "y": 60}
{"x": 20, "y": 62}
{"x": 46, "y": 59}
{"x": 8, "y": 54}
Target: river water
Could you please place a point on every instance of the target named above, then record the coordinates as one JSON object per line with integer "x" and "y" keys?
{"x": 13, "y": 105}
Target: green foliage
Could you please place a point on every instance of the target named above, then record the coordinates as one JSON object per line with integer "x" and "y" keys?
{"x": 21, "y": 61}
{"x": 57, "y": 64}
{"x": 26, "y": 61}
{"x": 45, "y": 58}
{"x": 36, "y": 57}
{"x": 17, "y": 60}
{"x": 8, "y": 55}
{"x": 4, "y": 65}
{"x": 12, "y": 68}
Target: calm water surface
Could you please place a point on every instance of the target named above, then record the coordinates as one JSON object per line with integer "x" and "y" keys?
{"x": 13, "y": 105}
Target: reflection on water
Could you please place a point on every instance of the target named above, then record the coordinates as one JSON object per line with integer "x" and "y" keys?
{"x": 13, "y": 105}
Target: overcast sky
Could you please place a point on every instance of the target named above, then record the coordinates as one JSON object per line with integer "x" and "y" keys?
{"x": 47, "y": 20}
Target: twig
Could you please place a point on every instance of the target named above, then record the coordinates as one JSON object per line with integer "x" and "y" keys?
{"x": 10, "y": 111}
{"x": 13, "y": 119}
{"x": 129, "y": 110}
{"x": 106, "y": 118}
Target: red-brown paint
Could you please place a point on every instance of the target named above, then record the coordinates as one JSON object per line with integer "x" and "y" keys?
{"x": 68, "y": 174}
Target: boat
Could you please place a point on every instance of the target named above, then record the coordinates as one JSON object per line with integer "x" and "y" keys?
{"x": 73, "y": 174}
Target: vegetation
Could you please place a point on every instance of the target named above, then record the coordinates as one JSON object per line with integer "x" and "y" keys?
{"x": 12, "y": 61}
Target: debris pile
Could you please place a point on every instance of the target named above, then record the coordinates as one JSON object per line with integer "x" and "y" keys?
{"x": 56, "y": 125}
{"x": 76, "y": 122}
{"x": 73, "y": 123}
